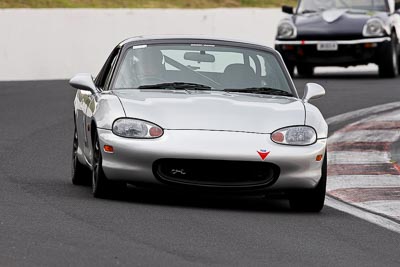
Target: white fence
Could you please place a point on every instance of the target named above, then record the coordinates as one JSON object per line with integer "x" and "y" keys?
{"x": 39, "y": 44}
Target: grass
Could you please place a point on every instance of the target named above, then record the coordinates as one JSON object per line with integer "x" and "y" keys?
{"x": 142, "y": 3}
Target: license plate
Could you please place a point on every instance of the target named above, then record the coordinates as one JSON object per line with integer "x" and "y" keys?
{"x": 327, "y": 46}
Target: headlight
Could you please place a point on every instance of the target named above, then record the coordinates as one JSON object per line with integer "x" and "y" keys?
{"x": 296, "y": 136}
{"x": 374, "y": 27}
{"x": 133, "y": 128}
{"x": 287, "y": 29}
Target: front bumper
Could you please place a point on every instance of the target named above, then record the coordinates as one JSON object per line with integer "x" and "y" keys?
{"x": 133, "y": 159}
{"x": 349, "y": 53}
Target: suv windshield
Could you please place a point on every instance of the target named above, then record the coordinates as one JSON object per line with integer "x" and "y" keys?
{"x": 307, "y": 6}
{"x": 199, "y": 67}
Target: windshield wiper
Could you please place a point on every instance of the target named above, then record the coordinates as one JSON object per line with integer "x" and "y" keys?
{"x": 261, "y": 90}
{"x": 307, "y": 11}
{"x": 176, "y": 86}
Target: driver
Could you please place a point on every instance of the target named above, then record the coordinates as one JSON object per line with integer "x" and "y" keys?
{"x": 149, "y": 65}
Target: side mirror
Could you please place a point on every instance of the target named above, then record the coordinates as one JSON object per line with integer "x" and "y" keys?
{"x": 287, "y": 9}
{"x": 83, "y": 81}
{"x": 313, "y": 91}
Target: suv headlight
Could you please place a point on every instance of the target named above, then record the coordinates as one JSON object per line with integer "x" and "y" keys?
{"x": 295, "y": 135}
{"x": 374, "y": 27}
{"x": 287, "y": 29}
{"x": 134, "y": 128}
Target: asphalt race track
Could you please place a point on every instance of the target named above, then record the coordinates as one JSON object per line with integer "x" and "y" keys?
{"x": 46, "y": 221}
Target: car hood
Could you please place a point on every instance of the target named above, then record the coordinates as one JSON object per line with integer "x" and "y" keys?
{"x": 219, "y": 111}
{"x": 341, "y": 23}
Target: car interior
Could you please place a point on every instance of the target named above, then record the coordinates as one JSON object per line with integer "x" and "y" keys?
{"x": 235, "y": 71}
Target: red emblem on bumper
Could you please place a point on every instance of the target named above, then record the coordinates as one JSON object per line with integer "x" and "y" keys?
{"x": 263, "y": 153}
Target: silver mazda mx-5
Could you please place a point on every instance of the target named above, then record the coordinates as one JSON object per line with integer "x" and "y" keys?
{"x": 199, "y": 114}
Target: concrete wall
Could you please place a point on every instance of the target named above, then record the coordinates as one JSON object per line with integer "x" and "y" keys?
{"x": 39, "y": 44}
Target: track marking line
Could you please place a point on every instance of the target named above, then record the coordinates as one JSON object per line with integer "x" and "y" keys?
{"x": 361, "y": 181}
{"x": 366, "y": 136}
{"x": 352, "y": 157}
{"x": 360, "y": 195}
{"x": 357, "y": 114}
{"x": 361, "y": 171}
{"x": 361, "y": 213}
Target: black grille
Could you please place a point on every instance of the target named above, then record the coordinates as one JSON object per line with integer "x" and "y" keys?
{"x": 216, "y": 172}
{"x": 345, "y": 56}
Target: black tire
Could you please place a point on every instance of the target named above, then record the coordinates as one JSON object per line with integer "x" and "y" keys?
{"x": 305, "y": 70}
{"x": 388, "y": 61}
{"x": 101, "y": 186}
{"x": 80, "y": 174}
{"x": 311, "y": 200}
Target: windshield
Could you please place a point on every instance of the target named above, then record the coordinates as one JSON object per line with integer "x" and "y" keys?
{"x": 306, "y": 6}
{"x": 199, "y": 67}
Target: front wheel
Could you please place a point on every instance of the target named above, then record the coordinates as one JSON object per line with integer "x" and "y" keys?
{"x": 389, "y": 59}
{"x": 79, "y": 173}
{"x": 311, "y": 200}
{"x": 101, "y": 186}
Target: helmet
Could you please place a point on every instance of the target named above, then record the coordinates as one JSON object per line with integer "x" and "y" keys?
{"x": 148, "y": 61}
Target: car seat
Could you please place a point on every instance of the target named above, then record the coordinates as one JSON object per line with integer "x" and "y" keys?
{"x": 239, "y": 76}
